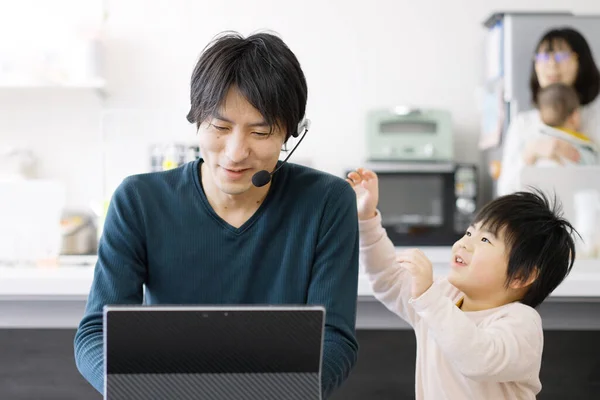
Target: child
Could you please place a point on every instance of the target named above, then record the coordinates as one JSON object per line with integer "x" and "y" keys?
{"x": 478, "y": 333}
{"x": 558, "y": 106}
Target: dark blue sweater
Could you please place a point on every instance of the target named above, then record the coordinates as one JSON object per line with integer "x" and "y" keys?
{"x": 301, "y": 246}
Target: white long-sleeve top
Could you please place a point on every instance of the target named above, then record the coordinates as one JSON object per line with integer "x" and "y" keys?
{"x": 526, "y": 127}
{"x": 493, "y": 354}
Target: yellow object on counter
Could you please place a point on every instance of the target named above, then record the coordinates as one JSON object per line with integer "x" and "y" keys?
{"x": 169, "y": 164}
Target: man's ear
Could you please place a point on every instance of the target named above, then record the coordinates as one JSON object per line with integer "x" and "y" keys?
{"x": 523, "y": 282}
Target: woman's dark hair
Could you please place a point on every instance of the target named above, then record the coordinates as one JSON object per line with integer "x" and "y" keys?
{"x": 261, "y": 67}
{"x": 587, "y": 82}
{"x": 539, "y": 240}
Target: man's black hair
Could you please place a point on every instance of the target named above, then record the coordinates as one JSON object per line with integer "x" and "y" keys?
{"x": 262, "y": 68}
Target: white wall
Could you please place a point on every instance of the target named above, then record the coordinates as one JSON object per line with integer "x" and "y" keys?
{"x": 356, "y": 56}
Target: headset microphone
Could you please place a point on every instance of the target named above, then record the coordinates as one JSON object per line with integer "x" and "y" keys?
{"x": 261, "y": 178}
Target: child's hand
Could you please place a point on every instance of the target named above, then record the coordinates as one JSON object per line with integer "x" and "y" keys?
{"x": 420, "y": 269}
{"x": 366, "y": 186}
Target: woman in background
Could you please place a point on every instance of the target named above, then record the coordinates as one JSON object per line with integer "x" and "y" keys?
{"x": 562, "y": 55}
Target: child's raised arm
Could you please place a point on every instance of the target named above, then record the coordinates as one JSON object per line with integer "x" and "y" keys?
{"x": 390, "y": 282}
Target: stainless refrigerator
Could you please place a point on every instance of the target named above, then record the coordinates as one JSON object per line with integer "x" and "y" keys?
{"x": 508, "y": 54}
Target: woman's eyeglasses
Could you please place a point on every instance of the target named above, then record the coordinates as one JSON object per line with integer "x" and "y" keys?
{"x": 558, "y": 56}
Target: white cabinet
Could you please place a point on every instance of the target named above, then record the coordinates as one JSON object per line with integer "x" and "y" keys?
{"x": 52, "y": 44}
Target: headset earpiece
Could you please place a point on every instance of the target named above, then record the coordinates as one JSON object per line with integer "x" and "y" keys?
{"x": 262, "y": 177}
{"x": 303, "y": 125}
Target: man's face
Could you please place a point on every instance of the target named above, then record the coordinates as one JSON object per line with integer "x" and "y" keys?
{"x": 236, "y": 143}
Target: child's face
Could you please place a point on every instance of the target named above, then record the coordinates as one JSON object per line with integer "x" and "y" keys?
{"x": 479, "y": 264}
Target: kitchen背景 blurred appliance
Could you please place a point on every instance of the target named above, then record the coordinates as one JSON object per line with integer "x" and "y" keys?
{"x": 171, "y": 155}
{"x": 79, "y": 233}
{"x": 409, "y": 134}
{"x": 426, "y": 204}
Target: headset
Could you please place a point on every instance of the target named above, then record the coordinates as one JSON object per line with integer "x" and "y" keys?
{"x": 261, "y": 178}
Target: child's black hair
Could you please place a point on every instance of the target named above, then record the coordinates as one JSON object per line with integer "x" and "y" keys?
{"x": 539, "y": 239}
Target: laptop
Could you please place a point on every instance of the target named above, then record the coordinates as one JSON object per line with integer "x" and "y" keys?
{"x": 213, "y": 352}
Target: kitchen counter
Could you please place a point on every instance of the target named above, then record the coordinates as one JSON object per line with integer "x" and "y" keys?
{"x": 583, "y": 281}
{"x": 74, "y": 276}
{"x": 56, "y": 296}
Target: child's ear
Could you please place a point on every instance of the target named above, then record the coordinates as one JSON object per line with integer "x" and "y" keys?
{"x": 575, "y": 119}
{"x": 521, "y": 282}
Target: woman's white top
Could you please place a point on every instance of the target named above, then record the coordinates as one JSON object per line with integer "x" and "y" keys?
{"x": 526, "y": 127}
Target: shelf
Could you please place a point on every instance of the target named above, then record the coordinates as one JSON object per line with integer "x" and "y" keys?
{"x": 98, "y": 85}
{"x": 93, "y": 84}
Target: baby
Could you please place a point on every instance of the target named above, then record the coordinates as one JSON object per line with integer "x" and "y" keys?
{"x": 478, "y": 333}
{"x": 559, "y": 109}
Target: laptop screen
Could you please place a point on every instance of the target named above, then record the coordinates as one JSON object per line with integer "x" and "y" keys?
{"x": 211, "y": 349}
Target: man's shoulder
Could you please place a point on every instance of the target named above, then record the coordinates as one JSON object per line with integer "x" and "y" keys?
{"x": 319, "y": 184}
{"x": 152, "y": 184}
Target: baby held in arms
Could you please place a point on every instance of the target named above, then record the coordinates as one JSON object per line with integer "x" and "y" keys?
{"x": 478, "y": 333}
{"x": 560, "y": 114}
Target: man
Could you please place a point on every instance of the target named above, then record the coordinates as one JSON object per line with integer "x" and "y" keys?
{"x": 204, "y": 234}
